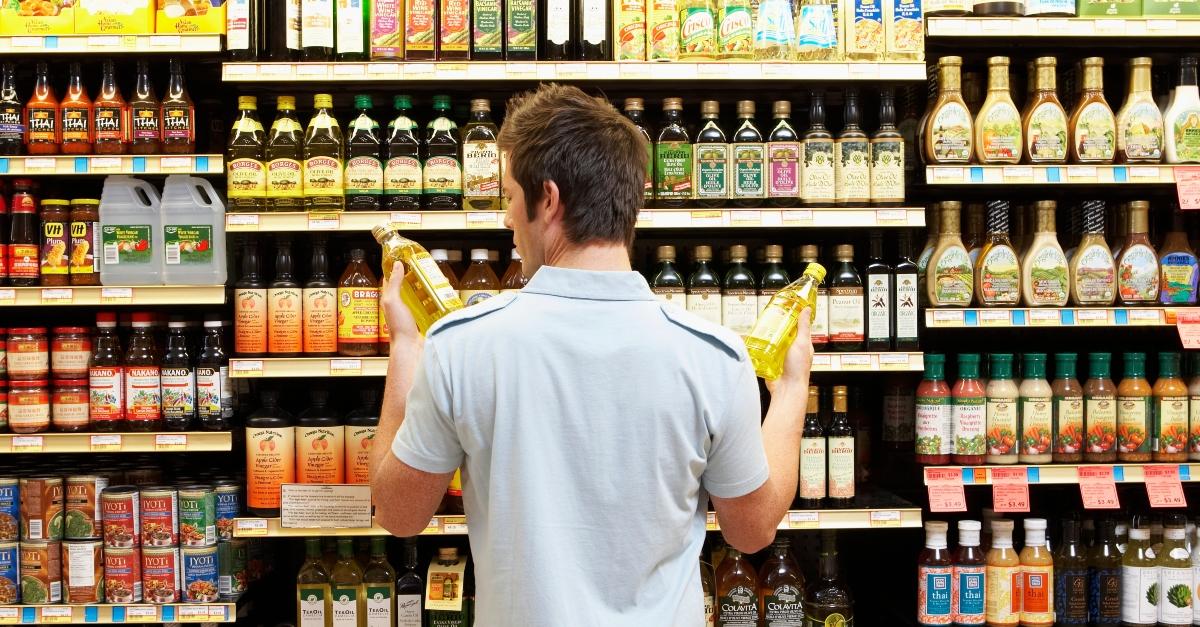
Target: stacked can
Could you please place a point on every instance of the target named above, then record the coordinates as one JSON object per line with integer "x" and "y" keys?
{"x": 122, "y": 527}
{"x": 82, "y": 549}
{"x": 198, "y": 537}
{"x": 41, "y": 533}
{"x": 232, "y": 553}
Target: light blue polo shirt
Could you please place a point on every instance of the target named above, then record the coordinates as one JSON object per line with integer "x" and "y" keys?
{"x": 591, "y": 421}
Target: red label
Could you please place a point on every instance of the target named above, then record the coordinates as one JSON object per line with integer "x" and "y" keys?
{"x": 23, "y": 261}
{"x": 1010, "y": 490}
{"x": 121, "y": 520}
{"x": 946, "y": 492}
{"x": 160, "y": 520}
{"x": 1097, "y": 487}
{"x": 1036, "y": 590}
{"x": 143, "y": 393}
{"x": 106, "y": 401}
{"x": 1163, "y": 486}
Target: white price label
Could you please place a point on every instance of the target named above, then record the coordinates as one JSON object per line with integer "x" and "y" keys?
{"x": 885, "y": 518}
{"x": 345, "y": 367}
{"x": 1087, "y": 172}
{"x": 1019, "y": 173}
{"x": 42, "y": 163}
{"x": 948, "y": 317}
{"x": 1143, "y": 173}
{"x": 823, "y": 362}
{"x": 57, "y": 295}
{"x": 103, "y": 41}
{"x": 803, "y": 520}
{"x": 250, "y": 527}
{"x": 141, "y": 614}
{"x": 1091, "y": 316}
{"x": 8, "y": 295}
{"x": 27, "y": 443}
{"x": 383, "y": 68}
{"x": 995, "y": 318}
{"x": 98, "y": 164}
{"x": 312, "y": 69}
{"x": 407, "y": 218}
{"x": 481, "y": 219}
{"x": 27, "y": 42}
{"x": 116, "y": 294}
{"x": 854, "y": 362}
{"x": 349, "y": 69}
{"x": 175, "y": 163}
{"x": 170, "y": 442}
{"x": 324, "y": 221}
{"x": 105, "y": 442}
{"x": 948, "y": 175}
{"x": 241, "y": 220}
{"x": 165, "y": 41}
{"x": 247, "y": 367}
{"x": 1044, "y": 317}
{"x": 797, "y": 216}
{"x": 888, "y": 216}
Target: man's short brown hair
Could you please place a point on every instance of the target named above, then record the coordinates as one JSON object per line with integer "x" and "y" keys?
{"x": 595, "y": 155}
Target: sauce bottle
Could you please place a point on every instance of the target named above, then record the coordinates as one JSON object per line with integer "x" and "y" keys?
{"x": 24, "y": 239}
{"x": 998, "y": 125}
{"x": 1037, "y": 411}
{"x": 1139, "y": 573}
{"x": 364, "y": 170}
{"x": 935, "y": 577}
{"x": 1100, "y": 415}
{"x": 1044, "y": 123}
{"x": 1037, "y": 576}
{"x": 1093, "y": 125}
{"x": 285, "y": 155}
{"x": 214, "y": 395}
{"x": 479, "y": 283}
{"x": 737, "y": 591}
{"x": 931, "y": 240}
{"x": 1093, "y": 272}
{"x": 1137, "y": 266}
{"x": 442, "y": 177}
{"x": 143, "y": 391}
{"x": 1194, "y": 408}
{"x": 320, "y": 304}
{"x": 819, "y": 331}
{"x": 704, "y": 288}
{"x": 813, "y": 455}
{"x": 106, "y": 377}
{"x": 1071, "y": 577}
{"x": 45, "y": 128}
{"x": 76, "y": 115}
{"x": 783, "y": 158}
{"x": 1068, "y": 410}
{"x": 250, "y": 325}
{"x": 285, "y": 305}
{"x": 1139, "y": 122}
{"x": 779, "y": 580}
{"x": 481, "y": 159}
{"x": 1178, "y": 265}
{"x": 818, "y": 178}
{"x": 950, "y": 282}
{"x": 739, "y": 295}
{"x": 1170, "y": 411}
{"x": 270, "y": 455}
{"x": 12, "y": 114}
{"x": 887, "y": 155}
{"x": 948, "y": 130}
{"x": 710, "y": 167}
{"x": 969, "y": 412}
{"x": 973, "y": 233}
{"x": 358, "y": 308}
{"x": 178, "y": 115}
{"x": 1045, "y": 280}
{"x": 673, "y": 158}
{"x": 905, "y": 296}
{"x": 935, "y": 417}
{"x": 54, "y": 242}
{"x": 1133, "y": 411}
{"x": 361, "y": 426}
{"x": 1182, "y": 119}
{"x": 840, "y": 435}
{"x": 970, "y": 569}
{"x": 997, "y": 269}
{"x": 846, "y": 303}
{"x": 1104, "y": 577}
{"x": 323, "y": 159}
{"x": 1174, "y": 560}
{"x": 146, "y": 115}
{"x": 1004, "y": 596}
{"x": 402, "y": 174}
{"x": 178, "y": 380}
{"x": 320, "y": 442}
{"x": 1003, "y": 395}
{"x": 635, "y": 110}
{"x": 111, "y": 115}
{"x": 851, "y": 157}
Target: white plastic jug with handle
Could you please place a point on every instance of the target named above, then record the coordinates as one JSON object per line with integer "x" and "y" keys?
{"x": 130, "y": 233}
{"x": 193, "y": 219}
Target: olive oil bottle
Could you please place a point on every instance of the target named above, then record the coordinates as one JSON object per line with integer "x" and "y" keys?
{"x": 748, "y": 167}
{"x": 775, "y": 329}
{"x": 285, "y": 150}
{"x": 668, "y": 284}
{"x": 818, "y": 186}
{"x": 673, "y": 158}
{"x": 312, "y": 588}
{"x": 442, "y": 188}
{"x": 323, "y": 159}
{"x": 481, "y": 160}
{"x": 710, "y": 171}
{"x": 402, "y": 174}
{"x": 247, "y": 180}
{"x": 739, "y": 298}
{"x": 379, "y": 584}
{"x": 635, "y": 110}
{"x": 364, "y": 170}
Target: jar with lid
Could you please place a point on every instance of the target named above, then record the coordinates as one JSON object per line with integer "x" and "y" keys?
{"x": 3, "y": 405}
{"x": 70, "y": 352}
{"x": 28, "y": 353}
{"x": 29, "y": 406}
{"x": 69, "y": 405}
{"x": 56, "y": 216}
{"x": 3, "y": 353}
{"x": 23, "y": 236}
{"x": 84, "y": 263}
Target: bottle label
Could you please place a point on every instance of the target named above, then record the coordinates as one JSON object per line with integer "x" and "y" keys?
{"x": 1137, "y": 280}
{"x": 887, "y": 170}
{"x": 952, "y": 276}
{"x": 364, "y": 176}
{"x": 30, "y": 412}
{"x": 481, "y": 170}
{"x": 178, "y": 392}
{"x": 783, "y": 162}
{"x": 558, "y": 21}
{"x": 284, "y": 321}
{"x": 321, "y": 454}
{"x": 663, "y": 28}
{"x": 359, "y": 441}
{"x": 1171, "y": 424}
{"x": 1178, "y": 281}
{"x": 270, "y": 462}
{"x": 1186, "y": 127}
{"x": 237, "y": 25}
{"x": 846, "y": 314}
{"x": 247, "y": 178}
{"x": 1037, "y": 425}
{"x": 1000, "y": 276}
{"x": 951, "y": 139}
{"x": 1036, "y": 603}
{"x": 815, "y": 27}
{"x": 907, "y": 298}
{"x": 1139, "y": 595}
{"x": 316, "y": 24}
{"x": 673, "y": 170}
{"x": 748, "y": 170}
{"x": 1001, "y": 425}
{"x": 898, "y": 417}
{"x": 935, "y": 597}
{"x": 350, "y": 29}
{"x": 710, "y": 610}
{"x": 210, "y": 387}
{"x": 706, "y": 303}
{"x": 739, "y": 310}
{"x": 935, "y": 425}
{"x": 402, "y": 176}
{"x": 1047, "y": 136}
{"x": 1001, "y": 132}
{"x": 76, "y": 125}
{"x": 1140, "y": 131}
{"x": 379, "y": 604}
{"x": 1049, "y": 277}
{"x": 442, "y": 175}
{"x": 345, "y": 604}
{"x": 852, "y": 171}
{"x": 736, "y": 32}
{"x": 711, "y": 169}
{"x": 110, "y": 123}
{"x": 127, "y": 244}
{"x": 250, "y": 321}
{"x": 521, "y": 24}
{"x": 143, "y": 393}
{"x": 312, "y": 604}
{"x": 1068, "y": 425}
{"x": 455, "y": 23}
{"x": 812, "y": 468}
{"x": 474, "y": 297}
{"x": 1104, "y": 602}
{"x": 323, "y": 177}
{"x": 146, "y": 125}
{"x": 408, "y": 610}
{"x": 106, "y": 385}
{"x": 774, "y": 29}
{"x": 1194, "y": 421}
{"x": 1175, "y": 588}
{"x": 12, "y": 123}
{"x": 188, "y": 244}
{"x": 419, "y": 25}
{"x": 358, "y": 314}
{"x": 177, "y": 122}
{"x": 25, "y": 259}
{"x": 320, "y": 320}
{"x": 969, "y": 423}
{"x": 487, "y": 35}
{"x": 819, "y": 330}
{"x": 739, "y": 608}
{"x": 697, "y": 33}
{"x": 1095, "y": 275}
{"x": 818, "y": 180}
{"x": 968, "y": 603}
{"x": 1101, "y": 421}
{"x": 672, "y": 295}
{"x": 1004, "y": 591}
{"x": 43, "y": 124}
{"x": 879, "y": 311}
{"x": 54, "y": 248}
{"x": 783, "y": 606}
{"x": 1132, "y": 423}
{"x": 841, "y": 467}
{"x": 284, "y": 179}
{"x": 1095, "y": 133}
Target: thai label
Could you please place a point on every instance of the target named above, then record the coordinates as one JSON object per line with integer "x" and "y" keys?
{"x": 879, "y": 307}
{"x": 54, "y": 248}
{"x": 934, "y": 596}
{"x": 735, "y": 35}
{"x": 970, "y": 421}
{"x": 748, "y": 170}
{"x": 1001, "y": 133}
{"x": 558, "y": 21}
{"x": 442, "y": 175}
{"x": 1000, "y": 276}
{"x": 846, "y": 314}
{"x": 379, "y": 604}
{"x": 146, "y": 124}
{"x": 906, "y": 306}
{"x": 419, "y": 25}
{"x": 865, "y": 39}
{"x": 812, "y": 468}
{"x": 1140, "y": 132}
{"x": 673, "y": 170}
{"x": 1049, "y": 280}
{"x": 364, "y": 175}
{"x": 312, "y": 604}
{"x": 631, "y": 30}
{"x": 818, "y": 180}
{"x": 819, "y": 331}
{"x": 1104, "y": 595}
{"x": 1132, "y": 420}
{"x": 143, "y": 393}
{"x": 123, "y": 244}
{"x": 106, "y": 391}
{"x": 1101, "y": 421}
{"x": 1004, "y": 593}
{"x": 934, "y": 425}
{"x": 952, "y": 278}
{"x": 481, "y": 170}
{"x": 358, "y": 314}
{"x": 1037, "y": 425}
{"x": 474, "y": 297}
{"x": 1047, "y": 137}
{"x": 323, "y": 177}
{"x": 1095, "y": 275}
{"x": 951, "y": 137}
{"x": 887, "y": 170}
{"x": 852, "y": 170}
{"x": 43, "y": 124}
{"x": 402, "y": 177}
{"x": 178, "y": 392}
{"x": 316, "y": 24}
{"x": 1186, "y": 127}
{"x": 521, "y": 25}
{"x": 706, "y": 303}
{"x": 320, "y": 320}
{"x": 1175, "y": 591}
{"x": 284, "y": 179}
{"x": 350, "y": 30}
{"x": 177, "y": 122}
{"x": 783, "y": 606}
{"x": 109, "y": 123}
{"x": 1171, "y": 424}
{"x": 841, "y": 467}
{"x": 188, "y": 244}
{"x": 1137, "y": 280}
{"x": 1037, "y": 606}
{"x": 1139, "y": 595}
{"x": 739, "y": 608}
{"x": 250, "y": 322}
{"x": 12, "y": 127}
{"x": 210, "y": 387}
{"x": 697, "y": 33}
{"x": 1178, "y": 280}
{"x": 967, "y": 606}
{"x": 455, "y": 21}
{"x": 1001, "y": 425}
{"x": 1095, "y": 133}
{"x": 739, "y": 310}
{"x": 284, "y": 319}
{"x": 1068, "y": 425}
{"x": 711, "y": 170}
{"x": 76, "y": 126}
{"x": 662, "y": 28}
{"x": 247, "y": 179}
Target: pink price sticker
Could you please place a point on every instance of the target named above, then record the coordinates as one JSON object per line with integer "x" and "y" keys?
{"x": 946, "y": 492}
{"x": 1163, "y": 486}
{"x": 1187, "y": 186}
{"x": 1098, "y": 488}
{"x": 1010, "y": 489}
{"x": 1188, "y": 325}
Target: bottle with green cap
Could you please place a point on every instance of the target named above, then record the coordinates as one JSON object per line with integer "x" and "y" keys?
{"x": 968, "y": 412}
{"x": 1003, "y": 396}
{"x": 1133, "y": 410}
{"x": 934, "y": 414}
{"x": 442, "y": 184}
{"x": 402, "y": 173}
{"x": 1100, "y": 410}
{"x": 1194, "y": 408}
{"x": 1170, "y": 411}
{"x": 776, "y": 327}
{"x": 364, "y": 170}
{"x": 1036, "y": 411}
{"x": 323, "y": 159}
{"x": 285, "y": 150}
{"x": 1068, "y": 410}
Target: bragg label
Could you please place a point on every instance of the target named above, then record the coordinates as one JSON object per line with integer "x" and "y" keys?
{"x": 83, "y": 515}
{"x": 358, "y": 453}
{"x": 284, "y": 179}
{"x": 358, "y": 314}
{"x": 10, "y": 510}
{"x": 122, "y": 576}
{"x": 247, "y": 179}
{"x": 229, "y": 505}
{"x": 270, "y": 462}
{"x": 323, "y": 177}
{"x": 198, "y": 574}
{"x": 10, "y": 564}
{"x": 160, "y": 575}
{"x": 160, "y": 516}
{"x": 41, "y": 508}
{"x": 83, "y": 561}
{"x": 41, "y": 572}
{"x": 197, "y": 516}
{"x": 120, "y": 513}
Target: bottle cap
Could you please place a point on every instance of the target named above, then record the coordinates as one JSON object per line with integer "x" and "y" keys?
{"x": 815, "y": 270}
{"x": 448, "y": 554}
{"x": 1139, "y": 204}
{"x": 998, "y": 61}
{"x": 935, "y": 534}
{"x": 1168, "y": 365}
{"x": 710, "y": 107}
{"x": 143, "y": 319}
{"x": 666, "y": 253}
{"x": 85, "y": 201}
{"x": 322, "y": 101}
{"x": 381, "y": 231}
{"x": 402, "y": 101}
{"x": 672, "y": 104}
{"x": 968, "y": 366}
{"x": 950, "y": 61}
{"x": 479, "y": 254}
{"x": 1001, "y": 365}
{"x": 774, "y": 252}
{"x": 106, "y": 319}
{"x": 1140, "y": 62}
{"x": 212, "y": 324}
{"x": 247, "y": 102}
{"x": 635, "y": 104}
{"x": 935, "y": 366}
{"x": 1064, "y": 365}
{"x": 480, "y": 104}
{"x": 362, "y": 101}
{"x": 737, "y": 252}
{"x": 704, "y": 253}
{"x": 809, "y": 252}
{"x": 745, "y": 108}
{"x": 1002, "y": 530}
{"x": 1045, "y": 62}
{"x": 177, "y": 324}
{"x": 439, "y": 254}
{"x": 1034, "y": 365}
{"x": 1135, "y": 364}
{"x": 1186, "y": 61}
{"x": 782, "y": 108}
{"x": 285, "y": 102}
{"x": 441, "y": 101}
{"x": 845, "y": 252}
{"x": 968, "y": 532}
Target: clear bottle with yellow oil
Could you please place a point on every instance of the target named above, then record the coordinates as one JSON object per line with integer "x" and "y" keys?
{"x": 775, "y": 329}
{"x": 425, "y": 290}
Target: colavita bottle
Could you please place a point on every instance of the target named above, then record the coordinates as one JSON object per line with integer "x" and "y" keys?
{"x": 1093, "y": 126}
{"x": 12, "y": 114}
{"x": 947, "y": 132}
{"x": 737, "y": 591}
{"x": 143, "y": 377}
{"x": 111, "y": 115}
{"x": 739, "y": 298}
{"x": 879, "y": 303}
{"x": 44, "y": 133}
{"x": 1170, "y": 411}
{"x": 285, "y": 157}
{"x": 710, "y": 170}
{"x": 949, "y": 280}
{"x": 998, "y": 127}
{"x": 851, "y": 157}
{"x": 361, "y": 426}
{"x": 1068, "y": 410}
{"x": 970, "y": 570}
{"x": 178, "y": 380}
{"x": 704, "y": 288}
{"x": 214, "y": 395}
{"x": 935, "y": 418}
{"x": 749, "y": 159}
{"x": 635, "y": 110}
{"x": 997, "y": 270}
{"x": 1134, "y": 417}
{"x": 479, "y": 282}
{"x": 1104, "y": 577}
{"x": 312, "y": 582}
{"x": 178, "y": 115}
{"x": 364, "y": 169}
{"x": 270, "y": 454}
{"x": 840, "y": 436}
{"x": 783, "y": 158}
{"x": 1100, "y": 410}
{"x": 846, "y": 311}
{"x": 346, "y": 586}
{"x": 969, "y": 412}
{"x": 250, "y": 306}
{"x": 828, "y": 601}
{"x": 1093, "y": 273}
{"x": 1037, "y": 411}
{"x": 1044, "y": 123}
{"x": 887, "y": 155}
{"x": 1045, "y": 275}
{"x": 146, "y": 114}
{"x": 818, "y": 179}
{"x": 555, "y": 31}
{"x": 905, "y": 296}
{"x": 1137, "y": 265}
{"x": 672, "y": 157}
{"x": 1139, "y": 582}
{"x": 358, "y": 308}
{"x": 323, "y": 159}
{"x": 106, "y": 377}
{"x": 320, "y": 305}
{"x": 320, "y": 442}
{"x": 481, "y": 160}
{"x": 668, "y": 284}
{"x": 76, "y": 115}
{"x": 247, "y": 170}
{"x": 813, "y": 455}
{"x": 402, "y": 174}
{"x": 781, "y": 588}
{"x": 285, "y": 305}
{"x": 442, "y": 171}
{"x": 1139, "y": 122}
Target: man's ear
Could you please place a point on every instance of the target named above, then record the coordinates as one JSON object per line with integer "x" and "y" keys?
{"x": 551, "y": 205}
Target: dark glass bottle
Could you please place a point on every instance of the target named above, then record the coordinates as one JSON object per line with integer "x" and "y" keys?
{"x": 146, "y": 113}
{"x": 635, "y": 110}
{"x": 247, "y": 175}
{"x": 364, "y": 170}
{"x": 362, "y": 423}
{"x": 845, "y": 303}
{"x": 711, "y": 167}
{"x": 673, "y": 158}
{"x": 1071, "y": 577}
{"x": 320, "y": 304}
{"x": 813, "y": 455}
{"x": 819, "y": 183}
{"x": 852, "y": 158}
{"x": 774, "y": 276}
{"x": 270, "y": 454}
{"x": 555, "y": 29}
{"x": 783, "y": 158}
{"x": 12, "y": 113}
{"x": 781, "y": 587}
{"x": 905, "y": 296}
{"x": 748, "y": 167}
{"x": 250, "y": 306}
{"x": 880, "y": 317}
{"x": 668, "y": 284}
{"x": 178, "y": 115}
{"x": 178, "y": 380}
{"x": 143, "y": 377}
{"x": 442, "y": 172}
{"x": 840, "y": 436}
{"x": 283, "y": 31}
{"x": 214, "y": 395}
{"x": 827, "y": 599}
{"x": 324, "y": 158}
{"x": 24, "y": 237}
{"x": 402, "y": 174}
{"x": 887, "y": 156}
{"x": 593, "y": 29}
{"x": 410, "y": 588}
{"x": 739, "y": 296}
{"x": 704, "y": 287}
{"x": 106, "y": 376}
{"x": 285, "y": 322}
{"x": 285, "y": 152}
{"x": 1104, "y": 577}
{"x": 244, "y": 30}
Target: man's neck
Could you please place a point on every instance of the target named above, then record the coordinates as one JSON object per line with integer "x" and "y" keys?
{"x": 599, "y": 257}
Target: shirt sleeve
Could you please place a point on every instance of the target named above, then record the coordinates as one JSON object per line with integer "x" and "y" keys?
{"x": 427, "y": 439}
{"x": 737, "y": 462}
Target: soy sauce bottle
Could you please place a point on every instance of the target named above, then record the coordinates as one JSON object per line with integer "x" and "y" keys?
{"x": 178, "y": 381}
{"x": 214, "y": 395}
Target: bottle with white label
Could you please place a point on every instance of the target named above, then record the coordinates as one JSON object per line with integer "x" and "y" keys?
{"x": 1036, "y": 430}
{"x": 970, "y": 566}
{"x": 346, "y": 586}
{"x": 479, "y": 282}
{"x": 1139, "y": 582}
{"x": 813, "y": 447}
{"x": 379, "y": 586}
{"x": 410, "y": 589}
{"x": 819, "y": 331}
{"x": 840, "y": 438}
{"x": 846, "y": 311}
{"x": 316, "y": 30}
{"x": 935, "y": 572}
{"x": 905, "y": 296}
{"x": 1175, "y": 594}
{"x": 774, "y": 276}
{"x": 704, "y": 288}
{"x": 739, "y": 299}
{"x": 880, "y": 306}
{"x": 312, "y": 588}
{"x": 1182, "y": 119}
{"x": 352, "y": 27}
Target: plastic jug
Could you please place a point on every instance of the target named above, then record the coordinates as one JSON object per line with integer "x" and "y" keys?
{"x": 130, "y": 232}
{"x": 193, "y": 219}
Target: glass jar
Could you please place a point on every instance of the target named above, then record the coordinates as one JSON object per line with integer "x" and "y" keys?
{"x": 3, "y": 405}
{"x": 70, "y": 352}
{"x": 3, "y": 353}
{"x": 55, "y": 242}
{"x": 69, "y": 405}
{"x": 85, "y": 241}
{"x": 28, "y": 353}
{"x": 29, "y": 406}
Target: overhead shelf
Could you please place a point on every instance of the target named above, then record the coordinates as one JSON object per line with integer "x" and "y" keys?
{"x": 1060, "y": 27}
{"x": 106, "y": 614}
{"x": 1061, "y": 473}
{"x": 567, "y": 71}
{"x": 49, "y": 165}
{"x": 186, "y": 441}
{"x": 1049, "y": 174}
{"x": 1050, "y": 317}
{"x": 108, "y": 44}
{"x": 113, "y": 295}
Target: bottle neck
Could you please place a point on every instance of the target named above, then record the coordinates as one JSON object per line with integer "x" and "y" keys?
{"x": 1046, "y": 79}
{"x": 950, "y": 79}
{"x": 1139, "y": 221}
{"x": 887, "y": 112}
{"x": 828, "y": 566}
{"x": 816, "y": 114}
{"x": 998, "y": 78}
{"x": 1045, "y": 220}
{"x": 997, "y": 216}
{"x": 1187, "y": 76}
{"x": 1093, "y": 78}
{"x": 851, "y": 114}
{"x": 1139, "y": 79}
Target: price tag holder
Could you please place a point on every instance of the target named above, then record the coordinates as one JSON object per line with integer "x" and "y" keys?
{"x": 995, "y": 318}
{"x": 1091, "y": 317}
{"x": 707, "y": 218}
{"x": 822, "y": 362}
{"x": 102, "y": 165}
{"x": 434, "y": 527}
{"x": 57, "y": 296}
{"x": 247, "y": 367}
{"x": 97, "y": 443}
{"x": 710, "y": 521}
{"x": 890, "y": 217}
{"x": 10, "y": 615}
{"x": 175, "y": 164}
{"x": 345, "y": 367}
{"x": 803, "y": 520}
{"x": 1143, "y": 172}
{"x": 407, "y": 218}
{"x": 1145, "y": 316}
{"x": 1044, "y": 318}
{"x": 170, "y": 442}
{"x": 1098, "y": 488}
{"x": 1081, "y": 173}
{"x": 349, "y": 69}
{"x": 797, "y": 216}
{"x": 856, "y": 362}
{"x": 1187, "y": 187}
{"x": 324, "y": 221}
{"x": 1010, "y": 490}
{"x": 192, "y": 613}
{"x": 28, "y": 443}
{"x": 1017, "y": 174}
{"x": 141, "y": 614}
{"x": 454, "y": 525}
{"x": 8, "y": 296}
{"x": 481, "y": 220}
{"x": 894, "y": 361}
{"x": 948, "y": 175}
{"x": 746, "y": 218}
{"x": 250, "y": 528}
{"x": 52, "y": 614}
{"x": 946, "y": 492}
{"x": 241, "y": 221}
{"x": 1163, "y": 486}
{"x": 885, "y": 518}
{"x": 1188, "y": 325}
{"x": 949, "y": 318}
{"x": 116, "y": 295}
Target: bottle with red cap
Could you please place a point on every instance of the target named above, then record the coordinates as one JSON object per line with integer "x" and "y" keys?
{"x": 23, "y": 236}
{"x": 143, "y": 382}
{"x": 106, "y": 376}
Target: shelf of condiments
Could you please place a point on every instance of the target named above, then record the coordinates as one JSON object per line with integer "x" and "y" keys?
{"x": 1102, "y": 267}
{"x": 998, "y": 418}
{"x": 402, "y": 168}
{"x": 1099, "y": 9}
{"x": 1158, "y": 29}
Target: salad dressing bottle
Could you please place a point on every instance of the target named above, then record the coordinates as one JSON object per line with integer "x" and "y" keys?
{"x": 1044, "y": 273}
{"x": 969, "y": 412}
{"x": 1139, "y": 122}
{"x": 1170, "y": 411}
{"x": 1138, "y": 574}
{"x": 949, "y": 282}
{"x": 1037, "y": 412}
{"x": 1194, "y": 412}
{"x": 1093, "y": 274}
{"x": 1003, "y": 579}
{"x": 1037, "y": 573}
{"x": 1174, "y": 561}
{"x": 931, "y": 239}
{"x": 997, "y": 271}
{"x": 998, "y": 127}
{"x": 1137, "y": 266}
{"x": 1100, "y": 415}
{"x": 1093, "y": 126}
{"x": 1045, "y": 122}
{"x": 948, "y": 131}
{"x": 970, "y": 568}
{"x": 1178, "y": 266}
{"x": 1181, "y": 121}
{"x": 1133, "y": 411}
{"x": 1002, "y": 399}
{"x": 1068, "y": 410}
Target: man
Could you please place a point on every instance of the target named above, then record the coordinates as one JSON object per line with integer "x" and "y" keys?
{"x": 592, "y": 422}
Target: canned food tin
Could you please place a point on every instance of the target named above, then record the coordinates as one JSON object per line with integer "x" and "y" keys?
{"x": 121, "y": 516}
{"x": 41, "y": 572}
{"x": 122, "y": 575}
{"x": 84, "y": 565}
{"x": 160, "y": 516}
{"x": 41, "y": 508}
{"x": 10, "y": 572}
{"x": 83, "y": 518}
{"x": 199, "y": 574}
{"x": 232, "y": 557}
{"x": 10, "y": 510}
{"x": 160, "y": 574}
{"x": 229, "y": 505}
{"x": 197, "y": 516}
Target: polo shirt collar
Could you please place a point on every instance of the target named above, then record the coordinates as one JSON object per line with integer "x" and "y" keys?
{"x": 589, "y": 284}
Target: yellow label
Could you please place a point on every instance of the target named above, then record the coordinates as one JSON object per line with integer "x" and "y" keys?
{"x": 284, "y": 179}
{"x": 247, "y": 179}
{"x": 358, "y": 314}
{"x": 1003, "y": 598}
{"x": 323, "y": 177}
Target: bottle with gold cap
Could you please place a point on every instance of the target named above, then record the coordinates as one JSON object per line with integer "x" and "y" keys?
{"x": 635, "y": 110}
{"x": 481, "y": 160}
{"x": 776, "y": 328}
{"x": 1045, "y": 274}
{"x": 1137, "y": 267}
{"x": 783, "y": 158}
{"x": 247, "y": 180}
{"x": 949, "y": 277}
{"x": 324, "y": 158}
{"x": 774, "y": 276}
{"x": 704, "y": 287}
{"x": 673, "y": 158}
{"x": 424, "y": 289}
{"x": 285, "y": 150}
{"x": 1140, "y": 122}
{"x": 748, "y": 167}
{"x": 1093, "y": 126}
{"x": 998, "y": 125}
{"x": 948, "y": 129}
{"x": 739, "y": 298}
{"x": 820, "y": 323}
{"x": 846, "y": 311}
{"x": 1045, "y": 122}
{"x": 710, "y": 171}
{"x": 668, "y": 284}
{"x": 840, "y": 436}
{"x": 813, "y": 459}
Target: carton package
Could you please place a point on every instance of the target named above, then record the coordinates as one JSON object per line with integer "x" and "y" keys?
{"x": 1171, "y": 8}
{"x": 190, "y": 16}
{"x": 37, "y": 17}
{"x": 111, "y": 17}
{"x": 1109, "y": 8}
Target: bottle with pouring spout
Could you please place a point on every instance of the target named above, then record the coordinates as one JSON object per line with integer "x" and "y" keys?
{"x": 775, "y": 329}
{"x": 425, "y": 290}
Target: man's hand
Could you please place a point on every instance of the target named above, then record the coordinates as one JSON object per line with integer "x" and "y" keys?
{"x": 798, "y": 363}
{"x": 402, "y": 327}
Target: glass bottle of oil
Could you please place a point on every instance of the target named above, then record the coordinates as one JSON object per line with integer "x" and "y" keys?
{"x": 851, "y": 159}
{"x": 818, "y": 179}
{"x": 710, "y": 170}
{"x": 312, "y": 588}
{"x": 442, "y": 171}
{"x": 247, "y": 179}
{"x": 425, "y": 290}
{"x": 1140, "y": 122}
{"x": 285, "y": 152}
{"x": 703, "y": 296}
{"x": 775, "y": 329}
{"x": 998, "y": 125}
{"x": 346, "y": 587}
{"x": 673, "y": 158}
{"x": 323, "y": 159}
{"x": 402, "y": 172}
{"x": 364, "y": 170}
{"x": 828, "y": 601}
{"x": 781, "y": 587}
{"x": 1174, "y": 575}
{"x": 481, "y": 160}
{"x": 887, "y": 156}
{"x": 948, "y": 129}
{"x": 737, "y": 591}
{"x": 747, "y": 166}
{"x": 1093, "y": 125}
{"x": 1045, "y": 122}
{"x": 379, "y": 584}
{"x": 1139, "y": 582}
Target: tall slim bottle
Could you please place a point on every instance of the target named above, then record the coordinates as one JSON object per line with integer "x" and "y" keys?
{"x": 178, "y": 115}
{"x": 710, "y": 170}
{"x": 244, "y": 29}
{"x": 324, "y": 156}
{"x": 146, "y": 114}
{"x": 781, "y": 588}
{"x": 410, "y": 589}
{"x": 425, "y": 290}
{"x": 1071, "y": 577}
{"x": 44, "y": 133}
{"x": 748, "y": 159}
{"x": 346, "y": 587}
{"x": 905, "y": 296}
{"x": 737, "y": 591}
{"x": 285, "y": 155}
{"x": 364, "y": 169}
{"x": 270, "y": 455}
{"x": 888, "y": 149}
{"x": 818, "y": 184}
{"x": 351, "y": 30}
{"x": 840, "y": 436}
{"x": 555, "y": 29}
{"x": 704, "y": 287}
{"x": 111, "y": 114}
{"x": 320, "y": 304}
{"x": 379, "y": 587}
{"x": 672, "y": 157}
{"x": 593, "y": 29}
{"x": 250, "y": 305}
{"x": 775, "y": 329}
{"x": 283, "y": 33}
{"x": 247, "y": 171}
{"x": 1139, "y": 122}
{"x": 285, "y": 320}
{"x": 77, "y": 130}
{"x": 442, "y": 173}
{"x": 813, "y": 455}
{"x": 783, "y": 158}
{"x": 879, "y": 302}
{"x": 316, "y": 30}
{"x": 851, "y": 157}
{"x": 1104, "y": 577}
{"x": 402, "y": 179}
{"x": 846, "y": 311}
{"x": 970, "y": 571}
{"x": 1139, "y": 581}
{"x": 481, "y": 160}
{"x": 312, "y": 588}
{"x": 1182, "y": 120}
{"x": 827, "y": 600}
{"x": 635, "y": 110}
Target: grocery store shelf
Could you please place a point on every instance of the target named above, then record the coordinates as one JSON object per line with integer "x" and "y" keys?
{"x": 824, "y": 217}
{"x": 1060, "y": 27}
{"x": 279, "y": 367}
{"x": 1050, "y": 317}
{"x": 132, "y": 613}
{"x": 1049, "y": 174}
{"x": 112, "y": 164}
{"x": 271, "y": 528}
{"x": 576, "y": 70}
{"x": 186, "y": 441}
{"x": 113, "y": 295}
{"x": 109, "y": 44}
{"x": 1062, "y": 473}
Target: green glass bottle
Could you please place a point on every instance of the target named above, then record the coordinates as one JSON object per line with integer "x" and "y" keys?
{"x": 312, "y": 587}
{"x": 346, "y": 587}
{"x": 379, "y": 585}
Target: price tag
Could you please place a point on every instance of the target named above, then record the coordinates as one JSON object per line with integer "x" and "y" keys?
{"x": 645, "y": 218}
{"x": 1188, "y": 325}
{"x": 520, "y": 69}
{"x": 1044, "y": 317}
{"x": 891, "y": 216}
{"x": 407, "y": 218}
{"x": 995, "y": 318}
{"x": 249, "y": 528}
{"x": 451, "y": 70}
{"x": 998, "y": 27}
{"x": 1187, "y": 187}
{"x": 324, "y": 221}
{"x": 165, "y": 41}
{"x": 345, "y": 367}
{"x": 798, "y": 216}
{"x": 635, "y": 70}
{"x": 455, "y": 525}
{"x": 948, "y": 175}
{"x": 1163, "y": 486}
{"x": 710, "y": 521}
{"x": 57, "y": 296}
{"x": 1091, "y": 317}
{"x": 8, "y": 296}
{"x": 434, "y": 527}
{"x": 1010, "y": 490}
{"x": 1146, "y": 316}
{"x": 349, "y": 69}
{"x": 746, "y": 218}
{"x": 803, "y": 520}
{"x": 141, "y": 614}
{"x": 856, "y": 362}
{"x": 1081, "y": 173}
{"x": 949, "y": 318}
{"x": 276, "y": 69}
{"x": 1097, "y": 487}
{"x": 946, "y": 492}
{"x": 104, "y": 443}
{"x": 383, "y": 68}
{"x": 713, "y": 70}
{"x": 239, "y": 69}
{"x": 418, "y": 70}
{"x": 706, "y": 218}
{"x": 27, "y": 443}
{"x": 27, "y": 42}
{"x": 1166, "y": 26}
{"x": 312, "y": 69}
{"x": 109, "y": 41}
{"x": 10, "y": 615}
{"x": 1143, "y": 173}
{"x": 1017, "y": 174}
{"x": 571, "y": 70}
{"x": 53, "y": 614}
{"x": 885, "y": 518}
{"x": 192, "y": 613}
{"x": 247, "y": 367}
{"x": 822, "y": 362}
{"x": 241, "y": 221}
{"x": 116, "y": 295}
{"x": 863, "y": 71}
{"x": 170, "y": 442}
{"x": 105, "y": 164}
{"x": 175, "y": 164}
{"x": 894, "y": 361}
{"x": 42, "y": 164}
{"x": 1108, "y": 27}
{"x": 778, "y": 70}
{"x": 481, "y": 220}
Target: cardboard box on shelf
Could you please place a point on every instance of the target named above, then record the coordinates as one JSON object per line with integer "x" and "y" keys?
{"x": 191, "y": 16}
{"x": 114, "y": 17}
{"x": 37, "y": 17}
{"x": 1109, "y": 8}
{"x": 1171, "y": 8}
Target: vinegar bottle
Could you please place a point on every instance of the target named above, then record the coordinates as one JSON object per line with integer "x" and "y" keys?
{"x": 813, "y": 457}
{"x": 214, "y": 395}
{"x": 1134, "y": 411}
{"x": 737, "y": 591}
{"x": 284, "y": 305}
{"x": 934, "y": 410}
{"x": 1100, "y": 410}
{"x": 1104, "y": 577}
{"x": 935, "y": 578}
{"x": 1037, "y": 577}
{"x": 106, "y": 377}
{"x": 270, "y": 455}
{"x": 361, "y": 425}
{"x": 970, "y": 571}
{"x": 250, "y": 306}
{"x": 320, "y": 442}
{"x": 312, "y": 585}
{"x": 775, "y": 329}
{"x": 780, "y": 582}
{"x": 320, "y": 304}
{"x": 479, "y": 282}
{"x": 358, "y": 308}
{"x": 969, "y": 412}
{"x": 841, "y": 438}
{"x": 1071, "y": 577}
{"x": 1139, "y": 573}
